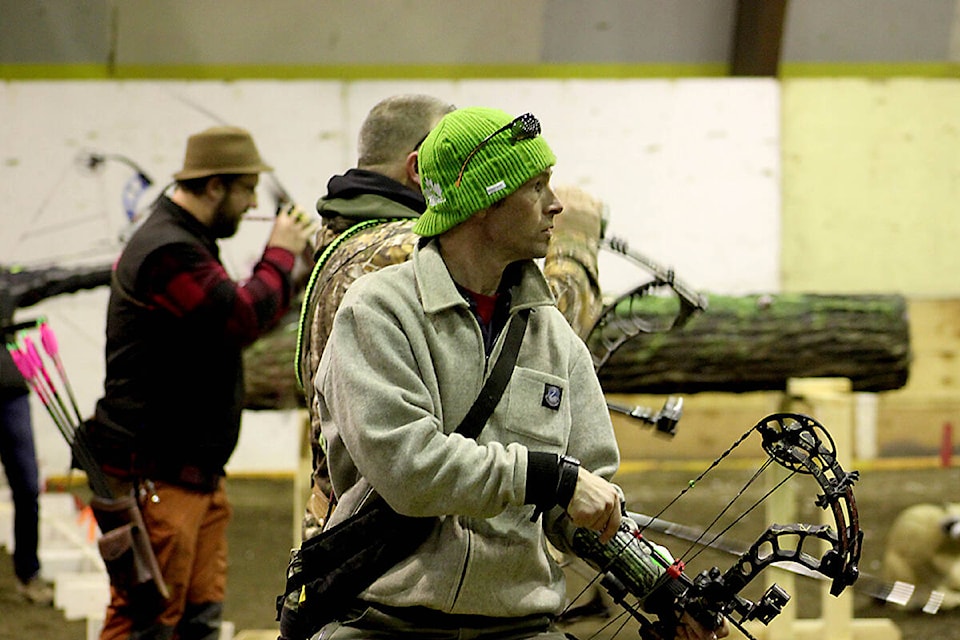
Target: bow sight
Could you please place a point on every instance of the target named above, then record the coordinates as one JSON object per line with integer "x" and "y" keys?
{"x": 665, "y": 421}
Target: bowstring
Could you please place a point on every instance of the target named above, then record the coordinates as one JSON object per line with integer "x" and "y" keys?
{"x": 726, "y": 508}
{"x": 623, "y": 618}
{"x": 41, "y": 209}
{"x": 692, "y": 483}
{"x": 100, "y": 246}
{"x": 739, "y": 518}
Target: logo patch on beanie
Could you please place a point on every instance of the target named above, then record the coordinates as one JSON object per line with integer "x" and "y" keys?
{"x": 432, "y": 192}
{"x": 552, "y": 394}
{"x": 499, "y": 186}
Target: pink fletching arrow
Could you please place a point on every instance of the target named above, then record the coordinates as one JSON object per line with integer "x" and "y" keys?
{"x": 34, "y": 356}
{"x": 49, "y": 340}
{"x": 32, "y": 353}
{"x": 18, "y": 359}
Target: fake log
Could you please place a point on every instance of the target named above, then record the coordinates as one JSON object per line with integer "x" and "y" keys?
{"x": 739, "y": 344}
{"x": 268, "y": 367}
{"x": 758, "y": 342}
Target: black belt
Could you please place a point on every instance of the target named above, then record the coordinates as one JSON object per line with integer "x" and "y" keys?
{"x": 116, "y": 456}
{"x": 189, "y": 476}
{"x": 432, "y": 619}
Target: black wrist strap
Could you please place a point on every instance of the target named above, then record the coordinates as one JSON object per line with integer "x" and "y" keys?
{"x": 567, "y": 482}
{"x": 476, "y": 418}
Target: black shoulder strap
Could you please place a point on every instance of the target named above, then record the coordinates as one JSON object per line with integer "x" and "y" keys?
{"x": 476, "y": 418}
{"x": 407, "y": 532}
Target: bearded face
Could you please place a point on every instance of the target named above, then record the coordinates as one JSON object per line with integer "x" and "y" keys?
{"x": 239, "y": 197}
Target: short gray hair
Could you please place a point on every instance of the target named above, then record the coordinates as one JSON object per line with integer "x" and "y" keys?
{"x": 396, "y": 125}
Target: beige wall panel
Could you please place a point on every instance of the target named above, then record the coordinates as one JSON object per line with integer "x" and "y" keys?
{"x": 935, "y": 343}
{"x": 911, "y": 420}
{"x": 329, "y": 32}
{"x": 871, "y": 185}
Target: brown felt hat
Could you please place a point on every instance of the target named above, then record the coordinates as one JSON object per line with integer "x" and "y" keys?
{"x": 220, "y": 151}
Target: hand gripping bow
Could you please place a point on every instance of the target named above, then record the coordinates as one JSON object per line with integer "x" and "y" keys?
{"x": 633, "y": 567}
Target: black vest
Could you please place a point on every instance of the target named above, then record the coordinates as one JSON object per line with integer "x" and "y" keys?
{"x": 173, "y": 391}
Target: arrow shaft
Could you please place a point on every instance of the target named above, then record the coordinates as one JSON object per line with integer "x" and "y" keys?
{"x": 900, "y": 593}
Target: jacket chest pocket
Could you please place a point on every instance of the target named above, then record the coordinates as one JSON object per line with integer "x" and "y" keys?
{"x": 538, "y": 410}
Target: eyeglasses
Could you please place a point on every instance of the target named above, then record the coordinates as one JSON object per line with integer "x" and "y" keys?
{"x": 523, "y": 127}
{"x": 244, "y": 185}
{"x": 416, "y": 147}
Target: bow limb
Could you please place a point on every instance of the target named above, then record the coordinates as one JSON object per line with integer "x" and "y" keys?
{"x": 134, "y": 188}
{"x": 625, "y": 317}
{"x": 802, "y": 444}
{"x": 691, "y": 301}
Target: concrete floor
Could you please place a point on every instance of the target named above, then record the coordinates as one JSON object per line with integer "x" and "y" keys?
{"x": 261, "y": 534}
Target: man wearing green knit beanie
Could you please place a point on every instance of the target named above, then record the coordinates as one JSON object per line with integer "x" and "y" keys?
{"x": 405, "y": 372}
{"x": 474, "y": 158}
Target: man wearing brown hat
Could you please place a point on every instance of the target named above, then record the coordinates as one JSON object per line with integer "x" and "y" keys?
{"x": 170, "y": 415}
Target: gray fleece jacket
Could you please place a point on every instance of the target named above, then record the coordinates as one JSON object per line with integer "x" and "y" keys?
{"x": 403, "y": 365}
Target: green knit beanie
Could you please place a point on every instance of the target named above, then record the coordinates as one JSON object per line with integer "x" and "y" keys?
{"x": 494, "y": 171}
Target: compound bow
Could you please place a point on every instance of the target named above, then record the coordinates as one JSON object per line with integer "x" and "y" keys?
{"x": 624, "y": 318}
{"x": 631, "y": 567}
{"x": 91, "y": 162}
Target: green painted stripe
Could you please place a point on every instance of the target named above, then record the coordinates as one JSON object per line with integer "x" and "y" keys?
{"x": 629, "y": 466}
{"x": 461, "y": 71}
{"x": 54, "y": 72}
{"x": 354, "y": 72}
{"x": 870, "y": 70}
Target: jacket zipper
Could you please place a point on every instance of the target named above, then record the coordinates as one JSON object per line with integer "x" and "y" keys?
{"x": 466, "y": 564}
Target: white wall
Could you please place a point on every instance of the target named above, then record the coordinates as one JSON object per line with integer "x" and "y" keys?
{"x": 690, "y": 169}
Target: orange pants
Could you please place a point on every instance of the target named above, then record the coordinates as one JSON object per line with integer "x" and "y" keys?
{"x": 187, "y": 530}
